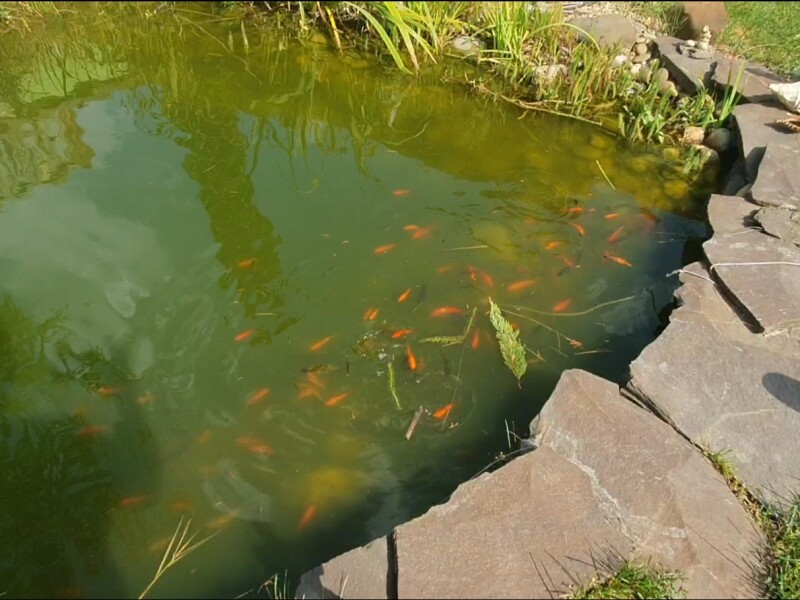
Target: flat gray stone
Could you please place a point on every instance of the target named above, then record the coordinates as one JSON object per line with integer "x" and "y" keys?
{"x": 780, "y": 223}
{"x": 755, "y": 130}
{"x": 778, "y": 180}
{"x": 607, "y": 30}
{"x": 727, "y": 389}
{"x": 662, "y": 493}
{"x": 736, "y": 178}
{"x": 729, "y": 214}
{"x": 691, "y": 74}
{"x": 769, "y": 292}
{"x": 359, "y": 573}
{"x": 754, "y": 82}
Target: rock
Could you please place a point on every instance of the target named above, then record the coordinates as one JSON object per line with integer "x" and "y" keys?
{"x": 729, "y": 214}
{"x": 778, "y": 181}
{"x": 640, "y": 48}
{"x": 787, "y": 94}
{"x": 780, "y": 223}
{"x": 643, "y": 163}
{"x": 359, "y": 573}
{"x": 693, "y": 135}
{"x": 726, "y": 388}
{"x": 754, "y": 81}
{"x": 548, "y": 73}
{"x": 700, "y": 14}
{"x": 587, "y": 152}
{"x": 620, "y": 60}
{"x": 466, "y": 45}
{"x": 754, "y": 131}
{"x": 691, "y": 74}
{"x": 768, "y": 292}
{"x": 719, "y": 140}
{"x": 707, "y": 158}
{"x": 735, "y": 179}
{"x": 607, "y": 30}
{"x": 640, "y": 58}
{"x": 662, "y": 75}
{"x": 643, "y": 74}
{"x": 660, "y": 491}
{"x": 670, "y": 153}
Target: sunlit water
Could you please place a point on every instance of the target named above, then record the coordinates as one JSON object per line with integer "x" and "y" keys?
{"x": 185, "y": 225}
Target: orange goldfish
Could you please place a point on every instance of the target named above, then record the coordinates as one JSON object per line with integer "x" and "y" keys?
{"x": 401, "y": 333}
{"x": 486, "y": 279}
{"x": 476, "y": 340}
{"x": 371, "y": 314}
{"x": 92, "y": 430}
{"x": 404, "y": 296}
{"x": 204, "y": 437}
{"x": 616, "y": 235}
{"x": 320, "y": 344}
{"x": 109, "y": 391}
{"x": 307, "y": 517}
{"x": 445, "y": 268}
{"x": 314, "y": 380}
{"x": 575, "y": 210}
{"x": 384, "y": 249}
{"x": 307, "y": 391}
{"x": 610, "y": 216}
{"x": 257, "y": 396}
{"x": 422, "y": 232}
{"x": 568, "y": 261}
{"x": 412, "y": 360}
{"x": 446, "y": 310}
{"x": 334, "y": 400}
{"x": 518, "y": 286}
{"x": 247, "y": 264}
{"x": 181, "y": 506}
{"x": 132, "y": 500}
{"x": 617, "y": 259}
{"x": 262, "y": 449}
{"x": 400, "y": 193}
{"x": 411, "y": 228}
{"x": 578, "y": 228}
{"x": 575, "y": 344}
{"x": 240, "y": 337}
{"x": 562, "y": 306}
{"x": 552, "y": 245}
{"x": 442, "y": 413}
{"x": 220, "y": 521}
{"x": 145, "y": 399}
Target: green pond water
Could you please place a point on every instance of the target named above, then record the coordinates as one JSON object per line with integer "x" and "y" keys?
{"x": 183, "y": 219}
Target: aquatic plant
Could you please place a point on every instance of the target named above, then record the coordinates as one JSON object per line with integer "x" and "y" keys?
{"x": 452, "y": 340}
{"x": 510, "y": 345}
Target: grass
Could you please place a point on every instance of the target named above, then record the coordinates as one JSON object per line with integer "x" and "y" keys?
{"x": 633, "y": 580}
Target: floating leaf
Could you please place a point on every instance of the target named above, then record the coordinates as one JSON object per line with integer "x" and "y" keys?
{"x": 510, "y": 346}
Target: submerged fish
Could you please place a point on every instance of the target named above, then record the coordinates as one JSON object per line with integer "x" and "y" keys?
{"x": 92, "y": 430}
{"x": 575, "y": 210}
{"x": 518, "y": 286}
{"x": 246, "y": 264}
{"x": 446, "y": 310}
{"x": 320, "y": 344}
{"x": 412, "y": 360}
{"x": 400, "y": 193}
{"x": 476, "y": 340}
{"x": 562, "y": 306}
{"x": 307, "y": 517}
{"x": 334, "y": 400}
{"x": 384, "y": 249}
{"x": 371, "y": 314}
{"x": 132, "y": 500}
{"x": 422, "y": 232}
{"x": 240, "y": 337}
{"x": 109, "y": 391}
{"x": 257, "y": 397}
{"x": 610, "y": 216}
{"x": 616, "y": 235}
{"x": 404, "y": 296}
{"x": 401, "y": 333}
{"x": 578, "y": 228}
{"x": 553, "y": 245}
{"x": 443, "y": 412}
{"x": 617, "y": 259}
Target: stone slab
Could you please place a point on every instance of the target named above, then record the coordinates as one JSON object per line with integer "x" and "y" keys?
{"x": 769, "y": 292}
{"x": 729, "y": 214}
{"x": 753, "y": 84}
{"x": 778, "y": 181}
{"x": 691, "y": 74}
{"x": 607, "y": 30}
{"x": 780, "y": 223}
{"x": 699, "y": 14}
{"x": 755, "y": 130}
{"x": 662, "y": 492}
{"x": 359, "y": 573}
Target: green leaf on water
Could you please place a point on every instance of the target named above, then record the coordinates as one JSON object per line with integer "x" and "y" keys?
{"x": 451, "y": 340}
{"x": 510, "y": 346}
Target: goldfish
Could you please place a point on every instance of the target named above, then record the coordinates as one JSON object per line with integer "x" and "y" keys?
{"x": 476, "y": 340}
{"x": 255, "y": 446}
{"x": 404, "y": 296}
{"x": 132, "y": 500}
{"x": 92, "y": 430}
{"x": 411, "y": 228}
{"x": 159, "y": 546}
{"x": 562, "y": 306}
{"x": 220, "y": 521}
{"x": 307, "y": 517}
{"x": 145, "y": 399}
{"x": 257, "y": 396}
{"x": 181, "y": 506}
{"x": 307, "y": 391}
{"x": 446, "y": 310}
{"x": 568, "y": 261}
{"x": 401, "y": 333}
{"x": 520, "y": 285}
{"x": 617, "y": 259}
{"x": 552, "y": 245}
{"x": 486, "y": 279}
{"x": 320, "y": 344}
{"x": 371, "y": 314}
{"x": 384, "y": 249}
{"x": 578, "y": 228}
{"x": 240, "y": 337}
{"x": 400, "y": 193}
{"x": 616, "y": 235}
{"x": 575, "y": 343}
{"x": 246, "y": 264}
{"x": 610, "y": 216}
{"x": 109, "y": 391}
{"x": 334, "y": 400}
{"x": 204, "y": 437}
{"x": 445, "y": 269}
{"x": 442, "y": 413}
{"x": 422, "y": 232}
{"x": 575, "y": 210}
{"x": 314, "y": 380}
{"x": 412, "y": 360}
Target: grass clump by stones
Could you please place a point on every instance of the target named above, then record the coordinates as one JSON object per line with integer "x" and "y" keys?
{"x": 633, "y": 580}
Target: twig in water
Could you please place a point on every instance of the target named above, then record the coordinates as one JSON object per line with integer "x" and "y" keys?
{"x": 415, "y": 421}
{"x": 598, "y": 351}
{"x": 479, "y": 247}
{"x": 574, "y": 314}
{"x": 599, "y": 166}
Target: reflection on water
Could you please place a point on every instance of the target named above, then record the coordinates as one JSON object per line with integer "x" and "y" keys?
{"x": 215, "y": 260}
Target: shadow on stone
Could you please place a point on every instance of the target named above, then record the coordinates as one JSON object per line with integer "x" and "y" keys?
{"x": 604, "y": 563}
{"x": 785, "y": 389}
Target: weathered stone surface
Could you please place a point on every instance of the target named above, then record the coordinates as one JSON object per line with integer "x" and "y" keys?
{"x": 359, "y": 573}
{"x": 607, "y": 30}
{"x": 699, "y": 14}
{"x": 727, "y": 388}
{"x": 736, "y": 178}
{"x": 778, "y": 181}
{"x": 720, "y": 139}
{"x": 656, "y": 487}
{"x": 693, "y": 136}
{"x": 691, "y": 74}
{"x": 729, "y": 214}
{"x": 753, "y": 84}
{"x": 466, "y": 45}
{"x": 769, "y": 292}
{"x": 783, "y": 224}
{"x": 755, "y": 130}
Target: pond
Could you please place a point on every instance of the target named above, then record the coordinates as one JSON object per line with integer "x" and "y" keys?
{"x": 214, "y": 259}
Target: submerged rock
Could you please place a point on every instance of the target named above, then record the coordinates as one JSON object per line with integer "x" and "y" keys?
{"x": 466, "y": 45}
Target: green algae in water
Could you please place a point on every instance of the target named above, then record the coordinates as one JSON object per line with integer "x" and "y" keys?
{"x": 167, "y": 196}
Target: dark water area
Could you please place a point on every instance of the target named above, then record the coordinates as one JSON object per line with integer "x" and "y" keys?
{"x": 208, "y": 257}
